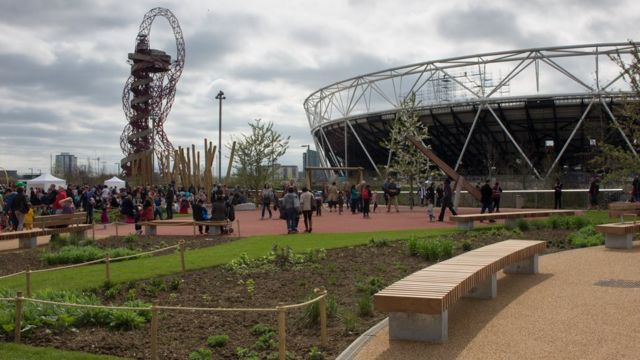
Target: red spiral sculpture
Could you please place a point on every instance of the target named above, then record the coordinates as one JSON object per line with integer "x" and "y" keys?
{"x": 149, "y": 92}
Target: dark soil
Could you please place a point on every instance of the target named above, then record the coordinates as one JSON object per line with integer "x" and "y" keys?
{"x": 184, "y": 331}
{"x": 18, "y": 260}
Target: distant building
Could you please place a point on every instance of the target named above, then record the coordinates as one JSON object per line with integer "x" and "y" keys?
{"x": 287, "y": 172}
{"x": 65, "y": 164}
{"x": 310, "y": 158}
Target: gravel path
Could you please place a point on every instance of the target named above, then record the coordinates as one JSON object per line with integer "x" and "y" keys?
{"x": 558, "y": 314}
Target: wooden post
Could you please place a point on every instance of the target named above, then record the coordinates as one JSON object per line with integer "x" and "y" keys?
{"x": 182, "y": 264}
{"x": 323, "y": 315}
{"x": 107, "y": 270}
{"x": 28, "y": 278}
{"x": 18, "y": 325}
{"x": 282, "y": 332}
{"x": 154, "y": 332}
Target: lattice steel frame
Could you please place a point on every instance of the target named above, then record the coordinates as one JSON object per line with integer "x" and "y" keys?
{"x": 338, "y": 102}
{"x": 138, "y": 135}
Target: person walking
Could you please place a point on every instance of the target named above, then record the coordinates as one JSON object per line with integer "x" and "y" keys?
{"x": 267, "y": 195}
{"x": 20, "y": 207}
{"x": 291, "y": 206}
{"x": 497, "y": 194}
{"x": 169, "y": 199}
{"x": 374, "y": 200}
{"x": 447, "y": 200}
{"x": 557, "y": 194}
{"x": 365, "y": 195}
{"x": 393, "y": 191}
{"x": 354, "y": 198}
{"x": 430, "y": 196}
{"x": 307, "y": 202}
{"x": 486, "y": 199}
{"x": 594, "y": 189}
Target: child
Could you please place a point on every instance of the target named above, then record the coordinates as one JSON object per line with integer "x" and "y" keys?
{"x": 28, "y": 218}
{"x": 340, "y": 202}
{"x": 374, "y": 200}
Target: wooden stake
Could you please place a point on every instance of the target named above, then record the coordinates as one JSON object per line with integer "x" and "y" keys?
{"x": 28, "y": 276}
{"x": 107, "y": 270}
{"x": 182, "y": 264}
{"x": 18, "y": 325}
{"x": 323, "y": 316}
{"x": 154, "y": 332}
{"x": 282, "y": 332}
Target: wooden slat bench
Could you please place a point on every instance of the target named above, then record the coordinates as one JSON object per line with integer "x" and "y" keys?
{"x": 418, "y": 304}
{"x": 150, "y": 227}
{"x": 619, "y": 235}
{"x": 619, "y": 209}
{"x": 48, "y": 225}
{"x": 465, "y": 222}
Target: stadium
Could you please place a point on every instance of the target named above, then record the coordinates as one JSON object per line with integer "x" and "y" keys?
{"x": 531, "y": 111}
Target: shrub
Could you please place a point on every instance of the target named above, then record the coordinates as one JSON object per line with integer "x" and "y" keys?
{"x": 371, "y": 286}
{"x": 435, "y": 249}
{"x": 578, "y": 222}
{"x": 216, "y": 341}
{"x": 315, "y": 354}
{"x": 246, "y": 354}
{"x": 378, "y": 243}
{"x": 585, "y": 237}
{"x": 126, "y": 320}
{"x": 412, "y": 245}
{"x": 522, "y": 224}
{"x": 261, "y": 329}
{"x": 200, "y": 354}
{"x": 466, "y": 245}
{"x": 266, "y": 342}
{"x": 130, "y": 239}
{"x": 175, "y": 283}
{"x": 311, "y": 315}
{"x": 365, "y": 306}
{"x": 349, "y": 320}
{"x": 73, "y": 254}
{"x": 58, "y": 241}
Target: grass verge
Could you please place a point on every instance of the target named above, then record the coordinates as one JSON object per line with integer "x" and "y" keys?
{"x": 94, "y": 275}
{"x": 24, "y": 352}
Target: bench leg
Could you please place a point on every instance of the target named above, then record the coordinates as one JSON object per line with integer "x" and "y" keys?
{"x": 618, "y": 241}
{"x": 214, "y": 230}
{"x": 465, "y": 225}
{"x": 28, "y": 243}
{"x": 150, "y": 230}
{"x": 418, "y": 327}
{"x": 526, "y": 266}
{"x": 488, "y": 289}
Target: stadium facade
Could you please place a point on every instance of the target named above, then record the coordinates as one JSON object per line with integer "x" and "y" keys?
{"x": 523, "y": 111}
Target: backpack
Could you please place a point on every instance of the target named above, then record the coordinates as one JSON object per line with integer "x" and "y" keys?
{"x": 366, "y": 194}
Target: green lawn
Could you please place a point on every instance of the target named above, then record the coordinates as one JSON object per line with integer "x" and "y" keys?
{"x": 24, "y": 352}
{"x": 145, "y": 268}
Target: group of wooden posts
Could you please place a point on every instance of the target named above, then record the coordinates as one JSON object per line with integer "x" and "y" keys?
{"x": 184, "y": 167}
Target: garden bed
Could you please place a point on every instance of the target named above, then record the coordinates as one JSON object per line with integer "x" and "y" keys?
{"x": 350, "y": 275}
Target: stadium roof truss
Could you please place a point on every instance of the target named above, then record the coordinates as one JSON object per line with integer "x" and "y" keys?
{"x": 564, "y": 72}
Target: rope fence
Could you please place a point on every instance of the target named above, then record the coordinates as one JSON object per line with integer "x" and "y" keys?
{"x": 281, "y": 310}
{"x": 107, "y": 261}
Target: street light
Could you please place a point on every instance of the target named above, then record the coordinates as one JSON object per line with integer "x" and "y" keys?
{"x": 220, "y": 97}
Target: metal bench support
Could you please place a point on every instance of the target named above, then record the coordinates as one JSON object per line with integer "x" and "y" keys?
{"x": 465, "y": 225}
{"x": 418, "y": 327}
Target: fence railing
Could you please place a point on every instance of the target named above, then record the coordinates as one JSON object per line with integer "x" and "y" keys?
{"x": 107, "y": 262}
{"x": 281, "y": 310}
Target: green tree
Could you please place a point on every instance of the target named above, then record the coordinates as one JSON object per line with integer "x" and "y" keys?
{"x": 619, "y": 162}
{"x": 257, "y": 153}
{"x": 407, "y": 162}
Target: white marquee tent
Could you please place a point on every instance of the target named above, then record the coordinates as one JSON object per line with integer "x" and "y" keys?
{"x": 44, "y": 181}
{"x": 115, "y": 182}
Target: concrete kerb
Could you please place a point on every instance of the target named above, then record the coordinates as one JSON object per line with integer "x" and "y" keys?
{"x": 354, "y": 349}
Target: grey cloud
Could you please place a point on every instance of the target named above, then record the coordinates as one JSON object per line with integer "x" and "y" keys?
{"x": 488, "y": 24}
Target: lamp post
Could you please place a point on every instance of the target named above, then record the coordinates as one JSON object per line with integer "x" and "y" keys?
{"x": 220, "y": 97}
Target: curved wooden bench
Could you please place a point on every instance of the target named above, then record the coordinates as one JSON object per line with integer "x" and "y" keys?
{"x": 48, "y": 225}
{"x": 150, "y": 227}
{"x": 418, "y": 304}
{"x": 465, "y": 222}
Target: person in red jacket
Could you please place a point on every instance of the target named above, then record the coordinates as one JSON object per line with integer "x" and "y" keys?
{"x": 62, "y": 194}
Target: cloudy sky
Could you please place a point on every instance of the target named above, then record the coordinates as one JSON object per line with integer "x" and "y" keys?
{"x": 63, "y": 62}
